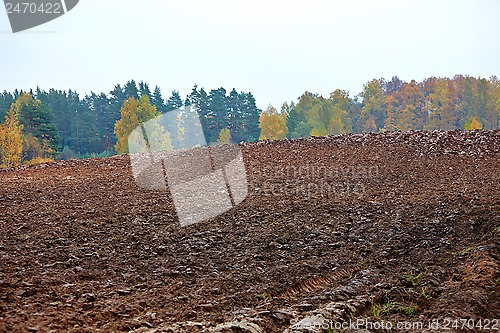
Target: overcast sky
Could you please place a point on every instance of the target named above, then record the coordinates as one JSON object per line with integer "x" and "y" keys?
{"x": 275, "y": 49}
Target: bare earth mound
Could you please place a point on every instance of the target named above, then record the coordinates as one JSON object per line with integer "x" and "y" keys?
{"x": 395, "y": 227}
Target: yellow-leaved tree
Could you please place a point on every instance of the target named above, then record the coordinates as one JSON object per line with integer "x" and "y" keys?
{"x": 11, "y": 140}
{"x": 318, "y": 132}
{"x": 133, "y": 113}
{"x": 273, "y": 125}
{"x": 473, "y": 124}
{"x": 224, "y": 136}
{"x": 158, "y": 139}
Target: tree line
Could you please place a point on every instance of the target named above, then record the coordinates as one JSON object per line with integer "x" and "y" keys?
{"x": 64, "y": 125}
{"x": 40, "y": 125}
{"x": 462, "y": 102}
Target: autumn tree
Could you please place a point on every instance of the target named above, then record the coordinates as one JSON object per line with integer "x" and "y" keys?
{"x": 224, "y": 136}
{"x": 318, "y": 131}
{"x": 441, "y": 106}
{"x": 392, "y": 86}
{"x": 405, "y": 109}
{"x": 473, "y": 124}
{"x": 133, "y": 113}
{"x": 466, "y": 110}
{"x": 493, "y": 107}
{"x": 391, "y": 122}
{"x": 321, "y": 124}
{"x": 498, "y": 109}
{"x": 373, "y": 110}
{"x": 310, "y": 104}
{"x": 153, "y": 133}
{"x": 273, "y": 125}
{"x": 128, "y": 122}
{"x": 370, "y": 125}
{"x": 312, "y": 107}
{"x": 318, "y": 116}
{"x": 11, "y": 142}
{"x": 481, "y": 103}
{"x": 340, "y": 121}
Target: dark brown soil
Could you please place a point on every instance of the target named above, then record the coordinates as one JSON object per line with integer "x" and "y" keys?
{"x": 404, "y": 226}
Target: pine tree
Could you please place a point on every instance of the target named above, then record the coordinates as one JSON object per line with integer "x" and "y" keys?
{"x": 157, "y": 100}
{"x": 199, "y": 102}
{"x": 217, "y": 117}
{"x": 234, "y": 113}
{"x": 144, "y": 89}
{"x": 174, "y": 102}
{"x": 38, "y": 121}
{"x": 242, "y": 116}
{"x": 118, "y": 95}
{"x": 131, "y": 89}
{"x": 250, "y": 115}
{"x": 6, "y": 99}
{"x": 296, "y": 117}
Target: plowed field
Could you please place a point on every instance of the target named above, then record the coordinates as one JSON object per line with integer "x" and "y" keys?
{"x": 394, "y": 227}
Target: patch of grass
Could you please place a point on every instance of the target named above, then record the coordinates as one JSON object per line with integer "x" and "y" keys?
{"x": 413, "y": 280}
{"x": 497, "y": 281}
{"x": 380, "y": 309}
{"x": 264, "y": 297}
{"x": 39, "y": 160}
{"x": 409, "y": 310}
{"x": 497, "y": 229}
{"x": 426, "y": 296}
{"x": 467, "y": 250}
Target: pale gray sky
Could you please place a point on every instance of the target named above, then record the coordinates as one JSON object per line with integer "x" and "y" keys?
{"x": 275, "y": 49}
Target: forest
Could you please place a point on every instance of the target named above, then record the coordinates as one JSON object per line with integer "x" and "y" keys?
{"x": 39, "y": 126}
